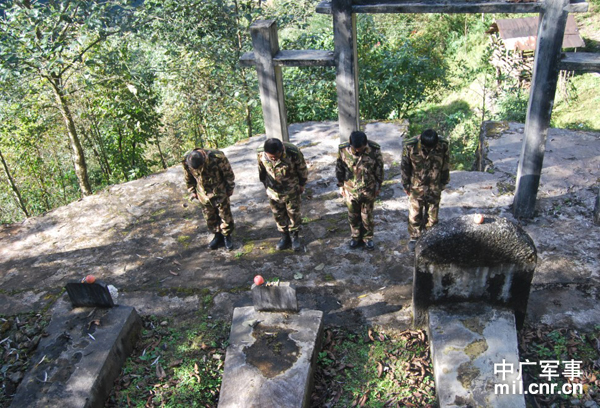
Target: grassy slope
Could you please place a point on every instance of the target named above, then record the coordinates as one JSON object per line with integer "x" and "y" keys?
{"x": 582, "y": 109}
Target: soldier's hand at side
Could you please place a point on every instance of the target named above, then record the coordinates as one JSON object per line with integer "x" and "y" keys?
{"x": 342, "y": 192}
{"x": 377, "y": 193}
{"x": 193, "y": 196}
{"x": 300, "y": 189}
{"x": 229, "y": 193}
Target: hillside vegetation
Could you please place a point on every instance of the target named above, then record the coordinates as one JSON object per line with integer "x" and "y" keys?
{"x": 97, "y": 93}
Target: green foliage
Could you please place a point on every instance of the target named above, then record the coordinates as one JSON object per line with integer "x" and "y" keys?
{"x": 310, "y": 92}
{"x": 579, "y": 110}
{"x": 512, "y": 106}
{"x": 457, "y": 123}
{"x": 175, "y": 364}
{"x": 99, "y": 92}
{"x": 561, "y": 345}
{"x": 373, "y": 369}
{"x": 395, "y": 76}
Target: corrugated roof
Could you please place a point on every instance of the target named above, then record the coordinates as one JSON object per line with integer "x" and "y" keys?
{"x": 521, "y": 33}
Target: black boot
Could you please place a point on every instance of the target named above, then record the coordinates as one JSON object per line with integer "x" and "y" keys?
{"x": 216, "y": 242}
{"x": 412, "y": 244}
{"x": 284, "y": 242}
{"x": 228, "y": 242}
{"x": 296, "y": 244}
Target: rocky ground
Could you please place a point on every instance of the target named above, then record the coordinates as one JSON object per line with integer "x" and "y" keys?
{"x": 145, "y": 238}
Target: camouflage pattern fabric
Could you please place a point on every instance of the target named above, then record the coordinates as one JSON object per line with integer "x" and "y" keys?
{"x": 425, "y": 173}
{"x": 287, "y": 213}
{"x": 361, "y": 177}
{"x": 213, "y": 183}
{"x": 422, "y": 215}
{"x": 283, "y": 179}
{"x": 286, "y": 175}
{"x": 217, "y": 214}
{"x": 360, "y": 217}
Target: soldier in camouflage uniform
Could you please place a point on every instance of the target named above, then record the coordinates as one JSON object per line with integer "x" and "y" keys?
{"x": 359, "y": 171}
{"x": 425, "y": 173}
{"x": 210, "y": 180}
{"x": 283, "y": 172}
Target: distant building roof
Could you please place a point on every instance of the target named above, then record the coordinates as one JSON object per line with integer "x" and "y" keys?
{"x": 520, "y": 34}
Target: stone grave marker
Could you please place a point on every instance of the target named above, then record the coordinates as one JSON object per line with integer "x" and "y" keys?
{"x": 89, "y": 294}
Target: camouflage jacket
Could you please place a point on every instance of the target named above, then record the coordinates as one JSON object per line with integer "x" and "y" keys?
{"x": 425, "y": 175}
{"x": 284, "y": 176}
{"x": 360, "y": 175}
{"x": 214, "y": 179}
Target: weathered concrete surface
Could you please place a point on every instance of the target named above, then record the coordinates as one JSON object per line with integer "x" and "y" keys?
{"x": 76, "y": 365}
{"x": 466, "y": 341}
{"x": 597, "y": 210}
{"x": 270, "y": 359}
{"x": 148, "y": 241}
{"x": 280, "y": 297}
{"x": 461, "y": 261}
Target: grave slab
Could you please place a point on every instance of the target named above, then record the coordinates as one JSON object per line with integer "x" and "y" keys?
{"x": 466, "y": 341}
{"x": 281, "y": 297}
{"x": 76, "y": 364}
{"x": 270, "y": 359}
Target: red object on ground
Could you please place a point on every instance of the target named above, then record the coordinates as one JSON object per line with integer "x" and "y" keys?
{"x": 258, "y": 280}
{"x": 478, "y": 219}
{"x": 89, "y": 279}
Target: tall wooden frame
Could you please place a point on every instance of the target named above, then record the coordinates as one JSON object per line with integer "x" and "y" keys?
{"x": 547, "y": 63}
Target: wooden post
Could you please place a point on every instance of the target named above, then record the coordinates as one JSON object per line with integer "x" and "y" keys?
{"x": 270, "y": 81}
{"x": 553, "y": 20}
{"x": 344, "y": 36}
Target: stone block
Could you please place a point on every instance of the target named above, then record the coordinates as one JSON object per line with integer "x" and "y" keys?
{"x": 270, "y": 359}
{"x": 89, "y": 294}
{"x": 76, "y": 365}
{"x": 460, "y": 261}
{"x": 275, "y": 298}
{"x": 466, "y": 341}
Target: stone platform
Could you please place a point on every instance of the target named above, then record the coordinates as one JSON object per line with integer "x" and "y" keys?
{"x": 76, "y": 365}
{"x": 466, "y": 341}
{"x": 270, "y": 358}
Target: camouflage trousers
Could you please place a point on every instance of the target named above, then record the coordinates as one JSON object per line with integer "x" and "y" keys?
{"x": 286, "y": 212}
{"x": 360, "y": 217}
{"x": 217, "y": 213}
{"x": 422, "y": 214}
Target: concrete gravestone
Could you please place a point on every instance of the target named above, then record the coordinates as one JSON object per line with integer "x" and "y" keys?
{"x": 471, "y": 287}
{"x": 272, "y": 352}
{"x": 461, "y": 261}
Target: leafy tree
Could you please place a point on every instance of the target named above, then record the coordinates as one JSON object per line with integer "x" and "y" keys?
{"x": 117, "y": 111}
{"x": 208, "y": 99}
{"x": 394, "y": 77}
{"x": 50, "y": 41}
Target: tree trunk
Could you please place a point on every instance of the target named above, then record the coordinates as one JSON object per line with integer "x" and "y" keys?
{"x": 14, "y": 187}
{"x": 96, "y": 153}
{"x": 78, "y": 155}
{"x": 249, "y": 119}
{"x": 160, "y": 153}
